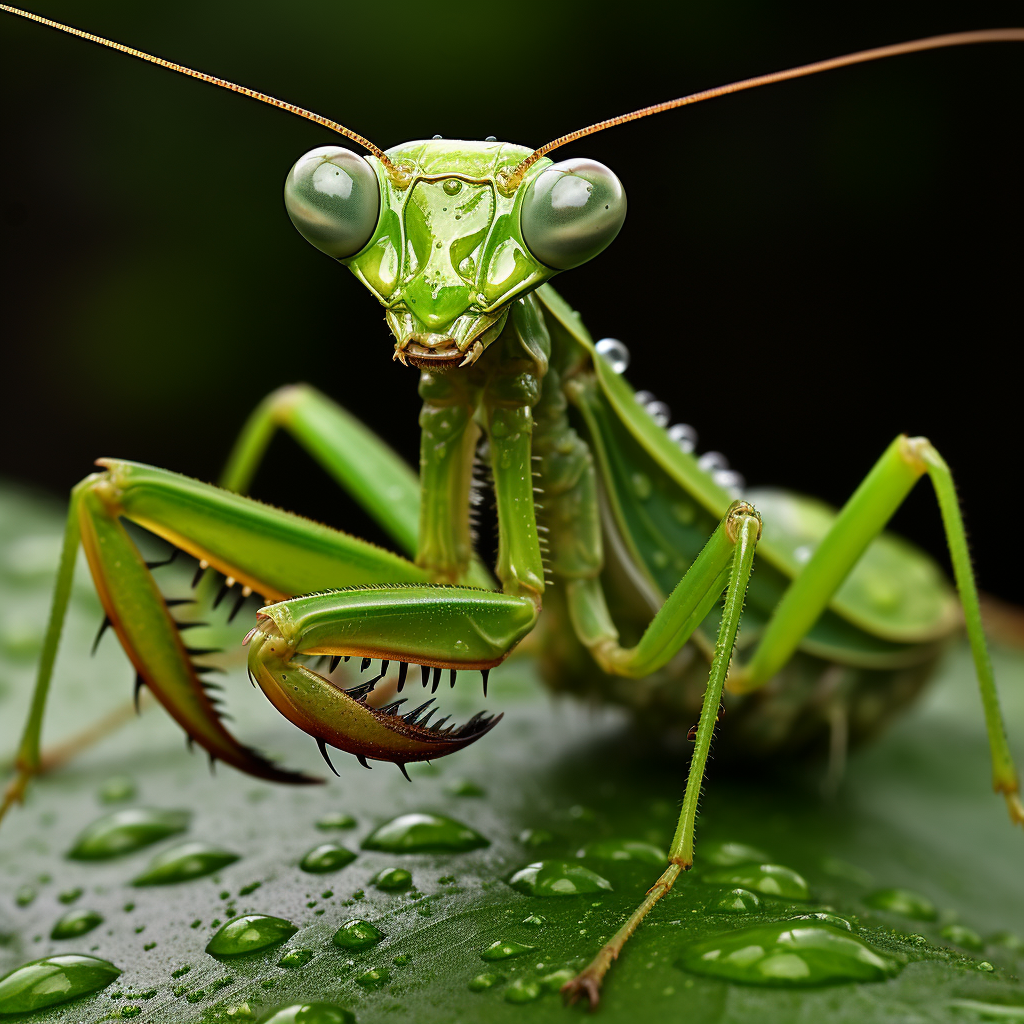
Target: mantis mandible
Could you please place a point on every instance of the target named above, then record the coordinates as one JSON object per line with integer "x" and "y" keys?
{"x": 458, "y": 241}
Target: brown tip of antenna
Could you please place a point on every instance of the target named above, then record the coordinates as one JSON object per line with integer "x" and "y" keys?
{"x": 995, "y": 35}
{"x": 223, "y": 83}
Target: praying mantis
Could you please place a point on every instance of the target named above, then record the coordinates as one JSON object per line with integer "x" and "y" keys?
{"x": 594, "y": 491}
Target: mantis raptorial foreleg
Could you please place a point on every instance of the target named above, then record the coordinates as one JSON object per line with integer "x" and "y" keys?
{"x": 862, "y": 519}
{"x": 265, "y": 551}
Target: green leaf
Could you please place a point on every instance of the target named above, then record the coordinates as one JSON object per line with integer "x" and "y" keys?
{"x": 915, "y": 812}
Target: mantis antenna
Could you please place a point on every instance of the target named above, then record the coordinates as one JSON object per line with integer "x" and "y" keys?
{"x": 995, "y": 35}
{"x": 223, "y": 83}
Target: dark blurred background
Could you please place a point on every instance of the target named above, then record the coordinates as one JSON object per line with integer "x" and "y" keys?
{"x": 805, "y": 270}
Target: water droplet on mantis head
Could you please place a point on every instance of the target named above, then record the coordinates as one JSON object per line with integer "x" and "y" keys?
{"x": 424, "y": 833}
{"x": 335, "y": 821}
{"x": 310, "y": 1013}
{"x": 558, "y": 878}
{"x": 127, "y": 830}
{"x": 904, "y": 902}
{"x": 482, "y": 982}
{"x": 787, "y": 954}
{"x": 357, "y": 934}
{"x": 116, "y": 789}
{"x": 393, "y": 879}
{"x": 249, "y": 933}
{"x": 326, "y": 857}
{"x": 711, "y": 461}
{"x": 624, "y": 849}
{"x": 501, "y": 950}
{"x": 739, "y": 901}
{"x": 684, "y": 436}
{"x": 614, "y": 353}
{"x": 961, "y": 936}
{"x": 523, "y": 990}
{"x": 75, "y": 923}
{"x": 769, "y": 879}
{"x": 452, "y": 187}
{"x": 185, "y": 861}
{"x": 53, "y": 980}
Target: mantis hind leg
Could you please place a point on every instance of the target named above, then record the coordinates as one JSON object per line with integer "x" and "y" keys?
{"x": 861, "y": 520}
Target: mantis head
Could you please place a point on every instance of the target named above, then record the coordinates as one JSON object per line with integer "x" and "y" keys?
{"x": 443, "y": 237}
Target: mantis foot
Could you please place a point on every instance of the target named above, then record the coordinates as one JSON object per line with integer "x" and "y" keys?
{"x": 587, "y": 982}
{"x": 1015, "y": 807}
{"x": 15, "y": 791}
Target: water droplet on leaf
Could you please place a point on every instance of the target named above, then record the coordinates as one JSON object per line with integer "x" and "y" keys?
{"x": 326, "y": 857}
{"x": 558, "y": 878}
{"x": 424, "y": 833}
{"x": 329, "y": 822}
{"x": 904, "y": 902}
{"x": 465, "y": 787}
{"x": 249, "y": 933}
{"x": 624, "y": 849}
{"x": 770, "y": 879}
{"x": 123, "y": 831}
{"x": 501, "y": 950}
{"x": 961, "y": 936}
{"x": 535, "y": 837}
{"x": 739, "y": 901}
{"x": 393, "y": 879}
{"x": 482, "y": 982}
{"x": 357, "y": 934}
{"x": 117, "y": 789}
{"x": 788, "y": 954}
{"x": 295, "y": 958}
{"x": 727, "y": 855}
{"x": 310, "y": 1013}
{"x": 75, "y": 923}
{"x": 184, "y": 861}
{"x": 523, "y": 990}
{"x": 825, "y": 917}
{"x": 52, "y": 980}
{"x": 374, "y": 978}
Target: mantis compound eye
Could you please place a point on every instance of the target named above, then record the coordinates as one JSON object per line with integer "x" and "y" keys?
{"x": 333, "y": 198}
{"x": 572, "y": 211}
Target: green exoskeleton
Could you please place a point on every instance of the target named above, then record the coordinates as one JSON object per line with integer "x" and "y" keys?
{"x": 651, "y": 548}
